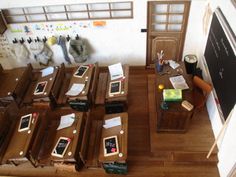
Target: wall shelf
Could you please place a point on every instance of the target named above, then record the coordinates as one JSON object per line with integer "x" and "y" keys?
{"x": 89, "y": 11}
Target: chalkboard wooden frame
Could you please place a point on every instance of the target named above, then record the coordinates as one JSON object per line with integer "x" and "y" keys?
{"x": 220, "y": 56}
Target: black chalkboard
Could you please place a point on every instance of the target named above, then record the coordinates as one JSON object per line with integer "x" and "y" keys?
{"x": 25, "y": 122}
{"x": 61, "y": 146}
{"x": 115, "y": 87}
{"x": 221, "y": 61}
{"x": 81, "y": 71}
{"x": 40, "y": 87}
{"x": 110, "y": 146}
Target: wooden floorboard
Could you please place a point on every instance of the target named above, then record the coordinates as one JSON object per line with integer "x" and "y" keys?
{"x": 141, "y": 161}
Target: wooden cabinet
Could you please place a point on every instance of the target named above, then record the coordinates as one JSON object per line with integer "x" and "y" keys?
{"x": 3, "y": 26}
{"x": 167, "y": 22}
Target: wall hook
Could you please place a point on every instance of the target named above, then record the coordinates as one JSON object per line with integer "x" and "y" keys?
{"x": 22, "y": 40}
{"x": 29, "y": 40}
{"x": 68, "y": 38}
{"x": 15, "y": 41}
{"x": 77, "y": 37}
{"x": 38, "y": 40}
{"x": 45, "y": 39}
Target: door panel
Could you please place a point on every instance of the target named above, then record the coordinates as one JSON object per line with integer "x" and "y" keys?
{"x": 167, "y": 44}
{"x": 167, "y": 22}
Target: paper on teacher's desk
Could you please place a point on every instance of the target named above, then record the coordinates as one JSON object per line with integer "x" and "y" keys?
{"x": 178, "y": 82}
{"x": 47, "y": 71}
{"x": 173, "y": 64}
{"x": 116, "y": 121}
{"x": 66, "y": 121}
{"x": 75, "y": 89}
{"x": 116, "y": 71}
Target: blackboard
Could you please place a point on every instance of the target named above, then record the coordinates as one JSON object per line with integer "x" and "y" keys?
{"x": 25, "y": 122}
{"x": 115, "y": 87}
{"x": 81, "y": 71}
{"x": 110, "y": 146}
{"x": 40, "y": 87}
{"x": 61, "y": 147}
{"x": 221, "y": 61}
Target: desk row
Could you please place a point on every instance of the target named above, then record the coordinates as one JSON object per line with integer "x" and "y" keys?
{"x": 61, "y": 136}
{"x": 58, "y": 86}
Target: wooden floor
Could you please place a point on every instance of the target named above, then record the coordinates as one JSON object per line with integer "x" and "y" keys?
{"x": 145, "y": 157}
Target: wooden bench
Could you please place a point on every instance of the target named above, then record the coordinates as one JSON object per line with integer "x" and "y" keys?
{"x": 101, "y": 89}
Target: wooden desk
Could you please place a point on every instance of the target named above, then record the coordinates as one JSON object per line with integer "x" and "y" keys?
{"x": 52, "y": 90}
{"x": 25, "y": 145}
{"x": 7, "y": 124}
{"x": 13, "y": 84}
{"x": 83, "y": 101}
{"x": 176, "y": 118}
{"x": 118, "y": 102}
{"x": 122, "y": 141}
{"x": 78, "y": 132}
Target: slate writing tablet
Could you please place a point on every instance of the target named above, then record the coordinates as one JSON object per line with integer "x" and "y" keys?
{"x": 110, "y": 145}
{"x": 61, "y": 147}
{"x": 40, "y": 88}
{"x": 115, "y": 87}
{"x": 25, "y": 122}
{"x": 81, "y": 71}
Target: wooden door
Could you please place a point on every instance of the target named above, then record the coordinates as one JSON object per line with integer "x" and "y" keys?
{"x": 167, "y": 22}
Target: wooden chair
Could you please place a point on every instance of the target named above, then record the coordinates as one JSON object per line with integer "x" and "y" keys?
{"x": 201, "y": 90}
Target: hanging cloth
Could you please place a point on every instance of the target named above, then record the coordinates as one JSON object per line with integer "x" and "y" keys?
{"x": 20, "y": 52}
{"x": 62, "y": 43}
{"x": 41, "y": 52}
{"x": 78, "y": 50}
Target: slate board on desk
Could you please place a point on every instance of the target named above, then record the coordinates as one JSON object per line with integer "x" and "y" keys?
{"x": 221, "y": 61}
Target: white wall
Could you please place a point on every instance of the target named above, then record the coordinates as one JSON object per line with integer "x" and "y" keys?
{"x": 121, "y": 40}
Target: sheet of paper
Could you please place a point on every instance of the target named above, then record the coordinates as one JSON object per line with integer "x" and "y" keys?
{"x": 116, "y": 71}
{"x": 47, "y": 71}
{"x": 109, "y": 123}
{"x": 178, "y": 82}
{"x": 173, "y": 64}
{"x": 66, "y": 121}
{"x": 75, "y": 89}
